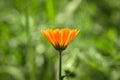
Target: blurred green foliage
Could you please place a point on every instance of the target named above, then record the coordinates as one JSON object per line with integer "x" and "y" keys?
{"x": 93, "y": 55}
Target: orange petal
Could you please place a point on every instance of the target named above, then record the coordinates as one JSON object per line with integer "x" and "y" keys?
{"x": 51, "y": 33}
{"x": 72, "y": 34}
{"x": 57, "y": 35}
{"x": 46, "y": 33}
{"x": 60, "y": 38}
{"x": 65, "y": 36}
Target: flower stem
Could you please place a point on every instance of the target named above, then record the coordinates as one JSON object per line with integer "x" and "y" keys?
{"x": 60, "y": 65}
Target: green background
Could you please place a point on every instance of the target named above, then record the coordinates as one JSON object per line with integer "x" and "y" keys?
{"x": 25, "y": 54}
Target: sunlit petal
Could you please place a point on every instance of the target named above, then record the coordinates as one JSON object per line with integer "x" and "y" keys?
{"x": 60, "y": 38}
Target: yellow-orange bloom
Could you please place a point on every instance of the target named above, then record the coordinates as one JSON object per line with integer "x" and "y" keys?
{"x": 60, "y": 38}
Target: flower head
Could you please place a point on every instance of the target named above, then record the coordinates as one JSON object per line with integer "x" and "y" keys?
{"x": 60, "y": 38}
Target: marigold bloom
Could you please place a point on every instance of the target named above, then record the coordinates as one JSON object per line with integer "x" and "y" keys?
{"x": 60, "y": 38}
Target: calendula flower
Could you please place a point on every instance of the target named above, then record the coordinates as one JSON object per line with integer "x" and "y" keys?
{"x": 60, "y": 38}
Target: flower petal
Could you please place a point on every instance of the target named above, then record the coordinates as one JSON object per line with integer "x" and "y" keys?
{"x": 49, "y": 36}
{"x": 60, "y": 38}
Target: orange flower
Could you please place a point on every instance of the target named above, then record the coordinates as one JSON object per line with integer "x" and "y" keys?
{"x": 60, "y": 38}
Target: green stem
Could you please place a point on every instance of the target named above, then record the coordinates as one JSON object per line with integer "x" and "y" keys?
{"x": 60, "y": 65}
{"x": 50, "y": 10}
{"x": 30, "y": 56}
